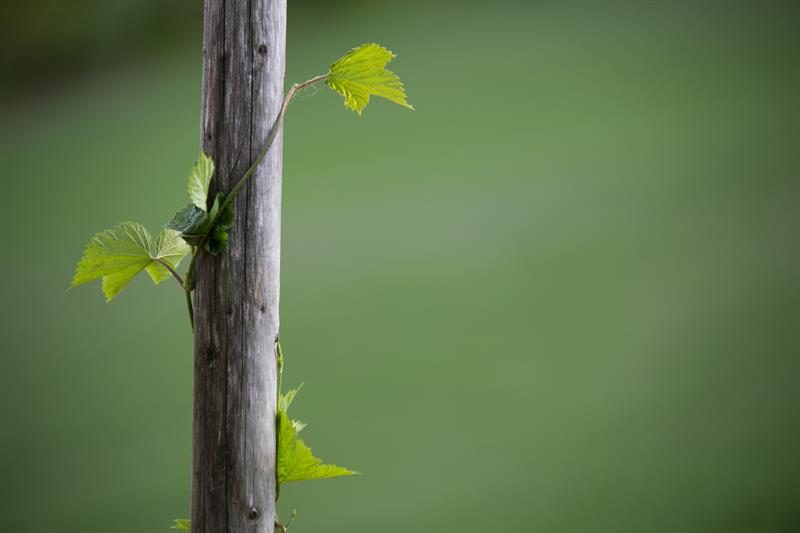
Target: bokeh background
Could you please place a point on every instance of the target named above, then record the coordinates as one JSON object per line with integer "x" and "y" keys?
{"x": 560, "y": 296}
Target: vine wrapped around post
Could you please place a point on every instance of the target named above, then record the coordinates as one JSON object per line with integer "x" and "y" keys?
{"x": 231, "y": 284}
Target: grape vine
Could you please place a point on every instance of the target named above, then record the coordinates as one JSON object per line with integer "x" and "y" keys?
{"x": 117, "y": 255}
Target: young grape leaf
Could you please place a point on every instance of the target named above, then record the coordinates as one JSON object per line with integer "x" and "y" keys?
{"x": 295, "y": 461}
{"x": 199, "y": 179}
{"x": 195, "y": 225}
{"x": 181, "y": 524}
{"x": 361, "y": 72}
{"x": 168, "y": 247}
{"x": 118, "y": 254}
{"x": 192, "y": 222}
{"x": 285, "y": 400}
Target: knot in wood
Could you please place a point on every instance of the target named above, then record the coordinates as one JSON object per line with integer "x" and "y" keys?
{"x": 253, "y": 513}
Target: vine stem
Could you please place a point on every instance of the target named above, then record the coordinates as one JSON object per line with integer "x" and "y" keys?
{"x": 279, "y": 354}
{"x": 189, "y": 306}
{"x": 291, "y": 519}
{"x": 171, "y": 270}
{"x": 270, "y": 139}
{"x": 183, "y": 283}
{"x": 285, "y": 528}
{"x": 189, "y": 285}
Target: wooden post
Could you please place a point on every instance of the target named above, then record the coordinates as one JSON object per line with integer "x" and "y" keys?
{"x": 237, "y": 292}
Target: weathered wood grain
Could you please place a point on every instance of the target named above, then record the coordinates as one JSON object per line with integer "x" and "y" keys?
{"x": 237, "y": 293}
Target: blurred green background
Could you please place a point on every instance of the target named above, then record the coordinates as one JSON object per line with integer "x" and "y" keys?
{"x": 561, "y": 296}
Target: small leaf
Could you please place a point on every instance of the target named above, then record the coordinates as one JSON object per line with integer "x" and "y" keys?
{"x": 199, "y": 180}
{"x": 361, "y": 73}
{"x": 295, "y": 460}
{"x": 196, "y": 227}
{"x": 181, "y": 524}
{"x": 118, "y": 254}
{"x": 285, "y": 400}
{"x": 192, "y": 222}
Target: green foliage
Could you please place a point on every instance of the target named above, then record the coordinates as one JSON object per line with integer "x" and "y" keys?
{"x": 295, "y": 461}
{"x": 199, "y": 180}
{"x": 182, "y": 524}
{"x": 119, "y": 254}
{"x": 361, "y": 73}
{"x": 192, "y": 223}
{"x": 285, "y": 400}
{"x": 222, "y": 223}
{"x": 196, "y": 225}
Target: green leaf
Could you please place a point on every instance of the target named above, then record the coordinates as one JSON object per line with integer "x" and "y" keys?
{"x": 118, "y": 254}
{"x": 192, "y": 222}
{"x": 199, "y": 179}
{"x": 285, "y": 400}
{"x": 168, "y": 246}
{"x": 195, "y": 225}
{"x": 181, "y": 524}
{"x": 361, "y": 73}
{"x": 295, "y": 460}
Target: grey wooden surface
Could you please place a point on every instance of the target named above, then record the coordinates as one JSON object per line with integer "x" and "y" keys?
{"x": 237, "y": 293}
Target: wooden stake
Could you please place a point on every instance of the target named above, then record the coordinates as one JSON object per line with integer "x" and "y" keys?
{"x": 237, "y": 293}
